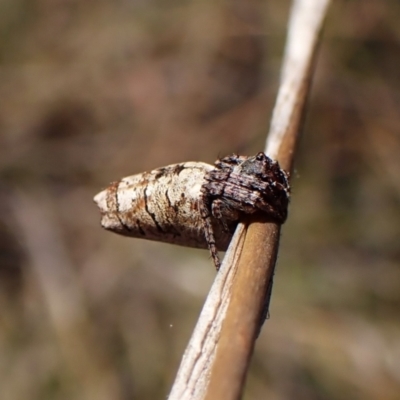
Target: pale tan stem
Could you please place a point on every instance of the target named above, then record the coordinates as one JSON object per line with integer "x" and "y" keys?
{"x": 216, "y": 361}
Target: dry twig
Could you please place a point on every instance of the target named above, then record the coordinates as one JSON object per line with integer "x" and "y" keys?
{"x": 216, "y": 360}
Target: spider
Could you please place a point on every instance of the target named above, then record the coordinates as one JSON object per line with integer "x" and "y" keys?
{"x": 241, "y": 185}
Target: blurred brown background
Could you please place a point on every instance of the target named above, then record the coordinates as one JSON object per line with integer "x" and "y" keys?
{"x": 93, "y": 91}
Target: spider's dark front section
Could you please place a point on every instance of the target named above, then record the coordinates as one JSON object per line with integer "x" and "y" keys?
{"x": 240, "y": 185}
{"x": 247, "y": 185}
{"x": 268, "y": 184}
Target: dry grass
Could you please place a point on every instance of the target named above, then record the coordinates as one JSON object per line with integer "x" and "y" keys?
{"x": 95, "y": 91}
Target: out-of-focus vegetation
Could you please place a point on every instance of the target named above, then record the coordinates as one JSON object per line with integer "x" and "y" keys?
{"x": 92, "y": 91}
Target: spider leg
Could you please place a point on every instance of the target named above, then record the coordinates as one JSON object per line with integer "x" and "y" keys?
{"x": 217, "y": 212}
{"x": 209, "y": 232}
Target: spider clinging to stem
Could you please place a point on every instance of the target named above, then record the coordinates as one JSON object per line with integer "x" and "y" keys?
{"x": 243, "y": 185}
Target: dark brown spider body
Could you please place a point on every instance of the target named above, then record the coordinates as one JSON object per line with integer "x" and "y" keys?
{"x": 243, "y": 185}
